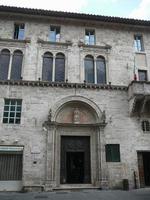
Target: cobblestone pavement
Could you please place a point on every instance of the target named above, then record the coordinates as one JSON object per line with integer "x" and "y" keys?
{"x": 140, "y": 194}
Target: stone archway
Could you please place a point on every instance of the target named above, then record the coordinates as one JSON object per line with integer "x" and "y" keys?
{"x": 78, "y": 121}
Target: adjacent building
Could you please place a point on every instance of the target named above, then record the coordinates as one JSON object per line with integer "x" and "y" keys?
{"x": 74, "y": 100}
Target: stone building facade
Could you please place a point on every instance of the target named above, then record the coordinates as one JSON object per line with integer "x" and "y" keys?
{"x": 74, "y": 100}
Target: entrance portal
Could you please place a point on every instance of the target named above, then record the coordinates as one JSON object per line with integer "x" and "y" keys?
{"x": 75, "y": 167}
{"x": 144, "y": 168}
{"x": 75, "y": 160}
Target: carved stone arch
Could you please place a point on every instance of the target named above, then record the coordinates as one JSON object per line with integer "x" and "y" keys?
{"x": 79, "y": 102}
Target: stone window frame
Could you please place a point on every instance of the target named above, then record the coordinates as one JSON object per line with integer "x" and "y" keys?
{"x": 54, "y": 53}
{"x": 12, "y": 50}
{"x": 95, "y": 57}
{"x": 12, "y": 106}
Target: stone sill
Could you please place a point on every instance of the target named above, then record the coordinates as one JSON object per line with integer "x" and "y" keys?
{"x": 106, "y": 47}
{"x": 140, "y": 52}
{"x": 67, "y": 43}
{"x": 15, "y": 40}
{"x": 63, "y": 85}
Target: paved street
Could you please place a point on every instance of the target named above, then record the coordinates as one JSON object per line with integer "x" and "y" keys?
{"x": 141, "y": 194}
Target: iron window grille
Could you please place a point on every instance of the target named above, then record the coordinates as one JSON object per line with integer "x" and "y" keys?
{"x": 12, "y": 111}
{"x": 145, "y": 126}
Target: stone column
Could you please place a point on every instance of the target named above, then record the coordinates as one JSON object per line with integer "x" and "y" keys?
{"x": 50, "y": 158}
{"x": 104, "y": 167}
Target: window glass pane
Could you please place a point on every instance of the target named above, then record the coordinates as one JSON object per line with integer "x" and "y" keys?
{"x": 12, "y": 108}
{"x": 112, "y": 153}
{"x": 18, "y": 115}
{"x": 5, "y": 120}
{"x": 12, "y": 114}
{"x": 18, "y": 109}
{"x": 47, "y": 67}
{"x": 21, "y": 34}
{"x": 11, "y": 120}
{"x": 13, "y": 102}
{"x": 7, "y": 101}
{"x": 101, "y": 70}
{"x": 16, "y": 66}
{"x": 52, "y": 36}
{"x": 4, "y": 64}
{"x": 89, "y": 70}
{"x": 60, "y": 68}
{"x": 17, "y": 121}
{"x": 6, "y": 114}
{"x": 6, "y": 108}
{"x": 19, "y": 102}
{"x": 142, "y": 75}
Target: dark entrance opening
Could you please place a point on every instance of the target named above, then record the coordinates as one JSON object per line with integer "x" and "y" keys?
{"x": 146, "y": 163}
{"x": 144, "y": 168}
{"x": 75, "y": 167}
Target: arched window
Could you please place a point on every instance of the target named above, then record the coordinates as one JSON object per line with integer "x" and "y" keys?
{"x": 60, "y": 67}
{"x": 4, "y": 64}
{"x": 47, "y": 69}
{"x": 101, "y": 69}
{"x": 16, "y": 66}
{"x": 89, "y": 69}
{"x": 145, "y": 125}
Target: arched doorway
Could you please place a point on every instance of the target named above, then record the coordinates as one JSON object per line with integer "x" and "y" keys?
{"x": 73, "y": 148}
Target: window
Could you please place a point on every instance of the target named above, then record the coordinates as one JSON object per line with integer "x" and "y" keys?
{"x": 19, "y": 31}
{"x": 142, "y": 75}
{"x": 54, "y": 35}
{"x": 145, "y": 125}
{"x": 16, "y": 66}
{"x": 101, "y": 70}
{"x": 138, "y": 43}
{"x": 60, "y": 67}
{"x": 53, "y": 69}
{"x": 12, "y": 111}
{"x": 90, "y": 37}
{"x": 89, "y": 69}
{"x": 4, "y": 64}
{"x": 95, "y": 70}
{"x": 112, "y": 152}
{"x": 47, "y": 66}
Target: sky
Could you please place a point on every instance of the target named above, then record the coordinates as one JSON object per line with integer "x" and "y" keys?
{"x": 138, "y": 9}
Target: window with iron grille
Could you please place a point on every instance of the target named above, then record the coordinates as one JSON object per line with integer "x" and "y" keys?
{"x": 142, "y": 75}
{"x": 112, "y": 152}
{"x": 12, "y": 111}
{"x": 145, "y": 125}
